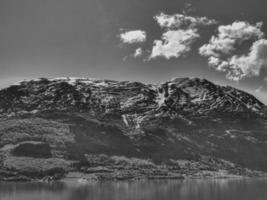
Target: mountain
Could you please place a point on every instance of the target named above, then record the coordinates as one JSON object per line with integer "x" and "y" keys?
{"x": 66, "y": 120}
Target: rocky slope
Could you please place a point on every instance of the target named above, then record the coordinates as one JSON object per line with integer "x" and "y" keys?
{"x": 55, "y": 123}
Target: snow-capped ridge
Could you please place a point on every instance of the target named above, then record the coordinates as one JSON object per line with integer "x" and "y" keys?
{"x": 177, "y": 97}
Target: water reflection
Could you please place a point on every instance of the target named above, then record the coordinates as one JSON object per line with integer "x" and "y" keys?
{"x": 238, "y": 189}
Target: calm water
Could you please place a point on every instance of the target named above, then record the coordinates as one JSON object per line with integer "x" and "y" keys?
{"x": 245, "y": 189}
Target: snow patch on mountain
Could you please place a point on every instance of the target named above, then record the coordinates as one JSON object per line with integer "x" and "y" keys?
{"x": 161, "y": 98}
{"x": 125, "y": 120}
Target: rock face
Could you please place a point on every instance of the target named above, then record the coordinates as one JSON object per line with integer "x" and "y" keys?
{"x": 182, "y": 96}
{"x": 185, "y": 118}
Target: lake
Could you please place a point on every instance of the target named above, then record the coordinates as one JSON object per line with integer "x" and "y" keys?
{"x": 221, "y": 189}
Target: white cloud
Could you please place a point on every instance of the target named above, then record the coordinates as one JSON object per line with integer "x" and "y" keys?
{"x": 176, "y": 21}
{"x": 240, "y": 30}
{"x": 180, "y": 32}
{"x": 217, "y": 46}
{"x": 239, "y": 67}
{"x": 134, "y": 36}
{"x": 174, "y": 43}
{"x": 220, "y": 50}
{"x": 229, "y": 36}
{"x": 138, "y": 52}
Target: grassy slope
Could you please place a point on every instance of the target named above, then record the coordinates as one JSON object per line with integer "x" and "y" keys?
{"x": 71, "y": 136}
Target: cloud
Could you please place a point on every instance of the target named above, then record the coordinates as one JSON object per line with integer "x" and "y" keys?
{"x": 265, "y": 79}
{"x": 180, "y": 32}
{"x": 251, "y": 64}
{"x": 174, "y": 43}
{"x": 220, "y": 50}
{"x": 134, "y": 36}
{"x": 188, "y": 8}
{"x": 138, "y": 52}
{"x": 177, "y": 21}
{"x": 229, "y": 36}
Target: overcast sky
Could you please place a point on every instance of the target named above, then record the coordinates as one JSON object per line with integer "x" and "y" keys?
{"x": 140, "y": 40}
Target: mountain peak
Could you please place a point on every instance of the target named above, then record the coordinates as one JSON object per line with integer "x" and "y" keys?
{"x": 186, "y": 96}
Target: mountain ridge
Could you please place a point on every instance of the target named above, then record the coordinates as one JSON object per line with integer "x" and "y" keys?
{"x": 191, "y": 90}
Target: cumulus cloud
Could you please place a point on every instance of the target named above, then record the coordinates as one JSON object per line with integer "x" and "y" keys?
{"x": 180, "y": 32}
{"x": 229, "y": 36}
{"x": 178, "y": 21}
{"x": 220, "y": 50}
{"x": 248, "y": 65}
{"x": 138, "y": 52}
{"x": 134, "y": 36}
{"x": 174, "y": 43}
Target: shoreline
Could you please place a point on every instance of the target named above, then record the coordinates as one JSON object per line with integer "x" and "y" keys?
{"x": 83, "y": 178}
{"x": 101, "y": 167}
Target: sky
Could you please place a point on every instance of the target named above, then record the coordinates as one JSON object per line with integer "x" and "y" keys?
{"x": 138, "y": 40}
